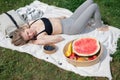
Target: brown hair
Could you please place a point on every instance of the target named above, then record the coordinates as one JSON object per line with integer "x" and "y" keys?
{"x": 17, "y": 38}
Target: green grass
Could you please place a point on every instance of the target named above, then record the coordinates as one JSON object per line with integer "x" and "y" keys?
{"x": 21, "y": 66}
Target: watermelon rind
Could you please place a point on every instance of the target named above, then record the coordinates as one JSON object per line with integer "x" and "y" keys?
{"x": 83, "y": 53}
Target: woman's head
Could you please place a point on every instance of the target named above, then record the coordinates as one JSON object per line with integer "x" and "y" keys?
{"x": 17, "y": 38}
{"x": 22, "y": 35}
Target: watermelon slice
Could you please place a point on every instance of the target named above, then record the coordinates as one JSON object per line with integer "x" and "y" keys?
{"x": 86, "y": 46}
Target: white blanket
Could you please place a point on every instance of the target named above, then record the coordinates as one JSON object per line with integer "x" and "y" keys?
{"x": 107, "y": 38}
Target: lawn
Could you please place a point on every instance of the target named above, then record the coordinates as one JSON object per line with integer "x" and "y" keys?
{"x": 21, "y": 66}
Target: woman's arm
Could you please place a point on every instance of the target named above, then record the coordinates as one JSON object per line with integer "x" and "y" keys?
{"x": 48, "y": 39}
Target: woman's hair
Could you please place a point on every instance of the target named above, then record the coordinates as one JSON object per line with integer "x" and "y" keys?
{"x": 17, "y": 38}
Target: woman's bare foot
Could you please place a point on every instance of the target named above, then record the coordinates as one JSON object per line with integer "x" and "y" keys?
{"x": 103, "y": 28}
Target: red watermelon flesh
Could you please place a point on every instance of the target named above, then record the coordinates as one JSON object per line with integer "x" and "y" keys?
{"x": 86, "y": 46}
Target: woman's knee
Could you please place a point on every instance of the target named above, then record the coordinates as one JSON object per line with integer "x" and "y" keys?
{"x": 94, "y": 5}
{"x": 91, "y": 1}
{"x": 92, "y": 8}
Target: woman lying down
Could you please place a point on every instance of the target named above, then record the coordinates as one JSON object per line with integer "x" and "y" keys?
{"x": 44, "y": 31}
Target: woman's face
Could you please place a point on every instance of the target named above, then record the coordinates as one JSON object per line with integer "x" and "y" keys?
{"x": 28, "y": 33}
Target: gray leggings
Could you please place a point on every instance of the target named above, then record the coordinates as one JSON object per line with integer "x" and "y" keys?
{"x": 77, "y": 22}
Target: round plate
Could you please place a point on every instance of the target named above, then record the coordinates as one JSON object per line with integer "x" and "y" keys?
{"x": 83, "y": 63}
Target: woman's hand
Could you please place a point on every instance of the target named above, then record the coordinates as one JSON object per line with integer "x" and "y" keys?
{"x": 59, "y": 38}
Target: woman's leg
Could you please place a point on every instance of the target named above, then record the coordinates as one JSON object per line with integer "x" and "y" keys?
{"x": 81, "y": 9}
{"x": 66, "y": 23}
{"x": 83, "y": 19}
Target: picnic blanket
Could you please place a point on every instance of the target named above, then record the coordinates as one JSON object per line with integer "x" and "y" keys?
{"x": 108, "y": 38}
